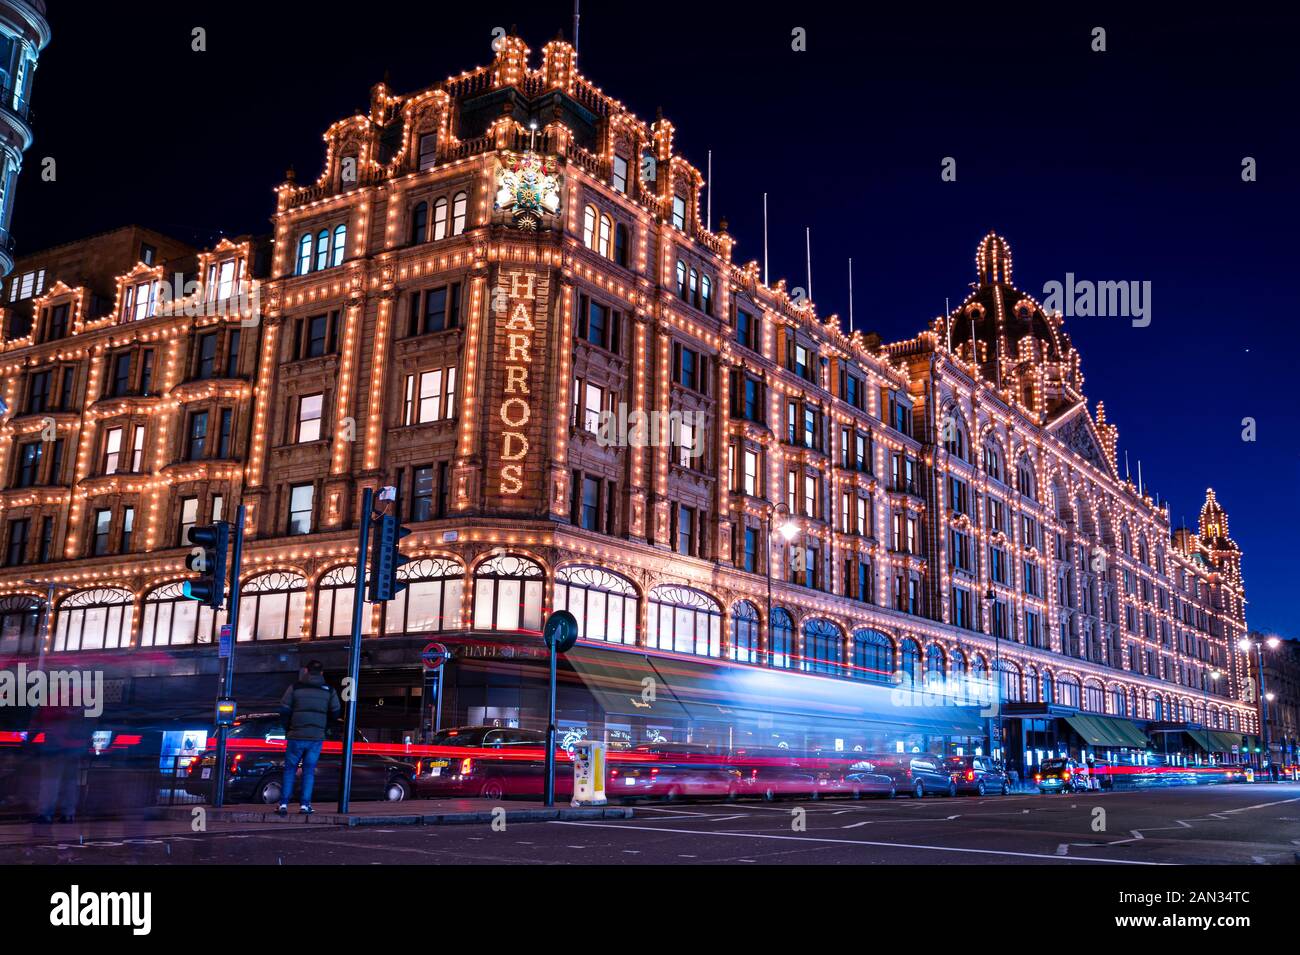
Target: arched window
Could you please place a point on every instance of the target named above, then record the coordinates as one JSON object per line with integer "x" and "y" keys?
{"x": 340, "y": 240}
{"x": 957, "y": 676}
{"x": 620, "y": 244}
{"x": 955, "y": 440}
{"x": 97, "y": 619}
{"x": 459, "y": 208}
{"x": 271, "y": 606}
{"x": 706, "y": 295}
{"x": 993, "y": 461}
{"x": 979, "y": 687}
{"x": 934, "y": 666}
{"x": 508, "y": 594}
{"x": 172, "y": 619}
{"x": 432, "y": 600}
{"x": 440, "y": 219}
{"x": 606, "y": 235}
{"x": 334, "y": 602}
{"x": 20, "y": 622}
{"x": 589, "y": 227}
{"x": 909, "y": 661}
{"x": 684, "y": 621}
{"x": 1045, "y": 687}
{"x": 1159, "y": 711}
{"x": 1067, "y": 691}
{"x": 1118, "y": 701}
{"x": 605, "y": 604}
{"x": 1025, "y": 477}
{"x": 694, "y": 297}
{"x": 823, "y": 647}
{"x": 873, "y": 657}
{"x": 304, "y": 254}
{"x": 419, "y": 223}
{"x": 681, "y": 279}
{"x": 322, "y": 249}
{"x": 744, "y": 632}
{"x": 1031, "y": 684}
{"x": 1009, "y": 674}
{"x": 780, "y": 639}
{"x": 1094, "y": 697}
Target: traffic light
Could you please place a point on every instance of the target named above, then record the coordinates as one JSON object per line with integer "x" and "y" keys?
{"x": 210, "y": 564}
{"x": 386, "y": 558}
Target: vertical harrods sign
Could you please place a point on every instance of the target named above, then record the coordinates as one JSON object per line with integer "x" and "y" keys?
{"x": 516, "y": 436}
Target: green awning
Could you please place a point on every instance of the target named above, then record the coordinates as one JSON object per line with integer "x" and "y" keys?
{"x": 1202, "y": 739}
{"x": 1107, "y": 731}
{"x": 1223, "y": 742}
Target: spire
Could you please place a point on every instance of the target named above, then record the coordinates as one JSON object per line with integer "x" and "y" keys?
{"x": 993, "y": 260}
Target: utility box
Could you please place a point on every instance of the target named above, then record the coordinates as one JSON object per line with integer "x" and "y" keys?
{"x": 588, "y": 773}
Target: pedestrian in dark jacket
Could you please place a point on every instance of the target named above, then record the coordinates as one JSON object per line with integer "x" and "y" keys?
{"x": 308, "y": 707}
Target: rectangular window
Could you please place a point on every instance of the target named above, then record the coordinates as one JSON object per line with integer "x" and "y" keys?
{"x": 29, "y": 463}
{"x": 422, "y": 493}
{"x": 128, "y": 527}
{"x": 46, "y": 545}
{"x": 590, "y": 513}
{"x": 428, "y": 151}
{"x": 685, "y": 530}
{"x": 17, "y": 550}
{"x": 752, "y": 486}
{"x": 103, "y": 521}
{"x": 620, "y": 173}
{"x": 197, "y": 436}
{"x": 112, "y": 450}
{"x": 300, "y": 507}
{"x": 309, "y": 417}
{"x": 223, "y": 439}
{"x": 441, "y": 309}
{"x": 205, "y": 355}
{"x": 137, "y": 450}
{"x": 679, "y": 213}
{"x": 189, "y": 517}
{"x": 119, "y": 383}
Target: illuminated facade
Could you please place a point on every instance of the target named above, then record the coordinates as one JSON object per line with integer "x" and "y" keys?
{"x": 484, "y": 277}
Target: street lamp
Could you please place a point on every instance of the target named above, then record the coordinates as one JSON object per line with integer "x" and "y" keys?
{"x": 990, "y": 598}
{"x": 47, "y": 612}
{"x": 789, "y": 530}
{"x": 1244, "y": 645}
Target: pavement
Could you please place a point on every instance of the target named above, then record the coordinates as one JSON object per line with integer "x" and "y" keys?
{"x": 1202, "y": 825}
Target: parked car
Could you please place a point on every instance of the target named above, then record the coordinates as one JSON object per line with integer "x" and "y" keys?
{"x": 771, "y": 772}
{"x": 1061, "y": 774}
{"x": 498, "y": 761}
{"x": 980, "y": 775}
{"x": 256, "y": 767}
{"x": 917, "y": 773}
{"x": 673, "y": 771}
{"x": 864, "y": 778}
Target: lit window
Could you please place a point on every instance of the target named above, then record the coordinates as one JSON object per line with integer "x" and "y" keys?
{"x": 112, "y": 450}
{"x": 309, "y": 417}
{"x": 459, "y": 208}
{"x": 440, "y": 219}
{"x": 300, "y": 506}
{"x": 620, "y": 173}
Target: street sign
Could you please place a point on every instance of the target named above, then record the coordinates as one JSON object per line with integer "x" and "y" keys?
{"x": 561, "y": 631}
{"x": 224, "y": 641}
{"x": 434, "y": 656}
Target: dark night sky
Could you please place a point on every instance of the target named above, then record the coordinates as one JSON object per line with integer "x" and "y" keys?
{"x": 1115, "y": 166}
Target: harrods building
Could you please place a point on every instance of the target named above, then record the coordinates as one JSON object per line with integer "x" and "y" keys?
{"x": 491, "y": 288}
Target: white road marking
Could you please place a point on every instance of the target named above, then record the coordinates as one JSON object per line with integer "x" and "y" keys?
{"x": 1263, "y": 805}
{"x": 858, "y": 842}
{"x": 855, "y": 825}
{"x": 1063, "y": 850}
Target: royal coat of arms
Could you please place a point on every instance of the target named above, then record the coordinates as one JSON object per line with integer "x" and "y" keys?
{"x": 528, "y": 185}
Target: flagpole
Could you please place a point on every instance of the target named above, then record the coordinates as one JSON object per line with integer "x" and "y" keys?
{"x": 708, "y": 196}
{"x": 850, "y": 294}
{"x": 807, "y": 238}
{"x": 765, "y": 238}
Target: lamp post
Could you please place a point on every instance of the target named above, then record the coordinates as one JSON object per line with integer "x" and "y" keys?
{"x": 1244, "y": 646}
{"x": 990, "y": 598}
{"x": 789, "y": 530}
{"x": 47, "y": 613}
